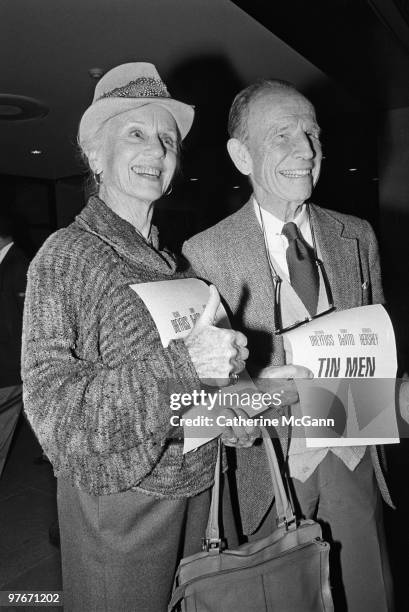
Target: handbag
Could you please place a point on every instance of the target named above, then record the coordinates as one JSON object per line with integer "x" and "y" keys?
{"x": 287, "y": 571}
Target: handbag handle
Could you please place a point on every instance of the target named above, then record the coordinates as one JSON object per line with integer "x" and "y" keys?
{"x": 285, "y": 514}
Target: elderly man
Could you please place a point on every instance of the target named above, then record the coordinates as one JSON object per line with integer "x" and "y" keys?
{"x": 275, "y": 141}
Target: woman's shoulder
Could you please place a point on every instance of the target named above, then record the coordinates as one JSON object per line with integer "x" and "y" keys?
{"x": 73, "y": 266}
{"x": 71, "y": 247}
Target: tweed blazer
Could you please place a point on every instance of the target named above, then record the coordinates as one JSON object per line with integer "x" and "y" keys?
{"x": 95, "y": 372}
{"x": 232, "y": 256}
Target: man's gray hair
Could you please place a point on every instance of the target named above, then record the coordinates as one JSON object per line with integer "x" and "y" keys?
{"x": 239, "y": 111}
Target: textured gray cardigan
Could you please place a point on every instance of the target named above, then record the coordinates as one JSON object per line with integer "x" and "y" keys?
{"x": 94, "y": 370}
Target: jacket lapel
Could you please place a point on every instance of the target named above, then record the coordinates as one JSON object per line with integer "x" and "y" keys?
{"x": 340, "y": 257}
{"x": 253, "y": 264}
{"x": 253, "y": 268}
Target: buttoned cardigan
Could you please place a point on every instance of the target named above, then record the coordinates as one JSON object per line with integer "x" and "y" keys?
{"x": 94, "y": 370}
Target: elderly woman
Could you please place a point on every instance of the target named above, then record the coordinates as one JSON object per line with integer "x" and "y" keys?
{"x": 94, "y": 367}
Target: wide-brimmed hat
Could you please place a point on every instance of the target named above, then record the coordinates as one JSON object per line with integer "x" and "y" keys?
{"x": 131, "y": 86}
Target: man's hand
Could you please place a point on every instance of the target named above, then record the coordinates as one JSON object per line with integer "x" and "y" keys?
{"x": 281, "y": 380}
{"x": 215, "y": 353}
{"x": 404, "y": 398}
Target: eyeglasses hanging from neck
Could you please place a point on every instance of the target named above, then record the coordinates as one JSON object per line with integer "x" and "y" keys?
{"x": 277, "y": 282}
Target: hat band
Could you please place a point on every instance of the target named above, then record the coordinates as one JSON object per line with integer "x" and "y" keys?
{"x": 144, "y": 87}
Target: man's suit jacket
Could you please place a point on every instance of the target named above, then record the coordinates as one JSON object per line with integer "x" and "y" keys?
{"x": 232, "y": 256}
{"x": 13, "y": 278}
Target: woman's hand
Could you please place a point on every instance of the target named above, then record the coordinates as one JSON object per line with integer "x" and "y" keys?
{"x": 216, "y": 353}
{"x": 282, "y": 380}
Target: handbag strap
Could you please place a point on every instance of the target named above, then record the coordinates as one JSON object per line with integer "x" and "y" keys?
{"x": 212, "y": 530}
{"x": 177, "y": 595}
{"x": 285, "y": 513}
{"x": 212, "y": 536}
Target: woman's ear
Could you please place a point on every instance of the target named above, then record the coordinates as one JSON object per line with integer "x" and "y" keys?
{"x": 94, "y": 162}
{"x": 240, "y": 156}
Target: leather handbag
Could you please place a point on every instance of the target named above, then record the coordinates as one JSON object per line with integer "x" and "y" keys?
{"x": 287, "y": 571}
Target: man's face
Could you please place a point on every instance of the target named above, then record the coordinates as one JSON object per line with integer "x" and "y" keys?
{"x": 284, "y": 148}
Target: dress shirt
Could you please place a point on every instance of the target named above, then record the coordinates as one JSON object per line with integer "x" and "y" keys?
{"x": 277, "y": 243}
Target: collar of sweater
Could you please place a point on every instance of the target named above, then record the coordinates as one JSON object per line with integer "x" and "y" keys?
{"x": 98, "y": 219}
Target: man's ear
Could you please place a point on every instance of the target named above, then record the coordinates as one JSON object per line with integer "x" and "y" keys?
{"x": 240, "y": 156}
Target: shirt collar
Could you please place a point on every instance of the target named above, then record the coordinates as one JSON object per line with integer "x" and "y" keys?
{"x": 274, "y": 225}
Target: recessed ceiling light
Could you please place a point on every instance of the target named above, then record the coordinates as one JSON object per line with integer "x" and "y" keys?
{"x": 375, "y": 178}
{"x": 193, "y": 179}
{"x": 35, "y": 151}
{"x": 353, "y": 169}
{"x": 20, "y": 108}
{"x": 236, "y": 186}
{"x": 9, "y": 110}
{"x": 96, "y": 73}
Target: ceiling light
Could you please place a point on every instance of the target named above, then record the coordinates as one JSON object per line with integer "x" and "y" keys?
{"x": 35, "y": 151}
{"x": 353, "y": 169}
{"x": 20, "y": 108}
{"x": 193, "y": 179}
{"x": 10, "y": 110}
{"x": 375, "y": 178}
{"x": 236, "y": 186}
{"x": 95, "y": 73}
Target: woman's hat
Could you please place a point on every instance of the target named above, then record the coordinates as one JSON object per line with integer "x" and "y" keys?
{"x": 131, "y": 86}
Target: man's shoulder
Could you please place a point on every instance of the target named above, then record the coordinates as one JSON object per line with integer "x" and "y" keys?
{"x": 218, "y": 234}
{"x": 13, "y": 270}
{"x": 352, "y": 225}
{"x": 16, "y": 258}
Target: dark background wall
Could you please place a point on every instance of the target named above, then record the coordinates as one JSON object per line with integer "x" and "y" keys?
{"x": 393, "y": 146}
{"x": 208, "y": 187}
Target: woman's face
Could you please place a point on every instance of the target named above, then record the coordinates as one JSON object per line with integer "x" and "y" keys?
{"x": 138, "y": 153}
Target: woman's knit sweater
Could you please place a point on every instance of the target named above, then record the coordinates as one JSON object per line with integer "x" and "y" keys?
{"x": 96, "y": 376}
